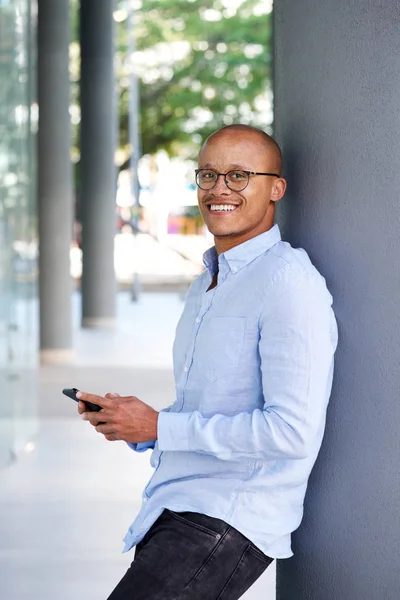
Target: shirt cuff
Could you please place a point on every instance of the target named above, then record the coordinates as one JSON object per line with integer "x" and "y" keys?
{"x": 142, "y": 446}
{"x": 173, "y": 431}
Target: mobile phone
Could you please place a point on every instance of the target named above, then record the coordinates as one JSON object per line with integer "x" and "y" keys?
{"x": 71, "y": 393}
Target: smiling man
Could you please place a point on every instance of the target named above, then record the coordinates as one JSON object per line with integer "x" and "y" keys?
{"x": 253, "y": 364}
{"x": 247, "y": 191}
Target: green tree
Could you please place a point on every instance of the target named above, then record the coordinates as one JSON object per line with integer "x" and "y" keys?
{"x": 202, "y": 64}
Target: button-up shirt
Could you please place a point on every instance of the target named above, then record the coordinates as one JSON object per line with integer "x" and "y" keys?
{"x": 253, "y": 365}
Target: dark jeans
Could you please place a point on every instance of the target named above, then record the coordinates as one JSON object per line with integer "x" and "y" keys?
{"x": 189, "y": 556}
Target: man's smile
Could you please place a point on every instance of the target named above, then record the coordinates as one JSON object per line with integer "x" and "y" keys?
{"x": 222, "y": 208}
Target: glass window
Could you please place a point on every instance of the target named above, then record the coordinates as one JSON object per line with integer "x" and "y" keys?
{"x": 18, "y": 231}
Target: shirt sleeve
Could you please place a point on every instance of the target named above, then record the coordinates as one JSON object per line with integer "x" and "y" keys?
{"x": 298, "y": 338}
{"x": 142, "y": 446}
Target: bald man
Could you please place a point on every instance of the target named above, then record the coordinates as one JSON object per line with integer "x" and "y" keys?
{"x": 253, "y": 364}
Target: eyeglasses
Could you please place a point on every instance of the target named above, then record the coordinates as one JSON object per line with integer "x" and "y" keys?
{"x": 237, "y": 181}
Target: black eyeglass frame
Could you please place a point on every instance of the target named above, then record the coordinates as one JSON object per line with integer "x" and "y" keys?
{"x": 248, "y": 173}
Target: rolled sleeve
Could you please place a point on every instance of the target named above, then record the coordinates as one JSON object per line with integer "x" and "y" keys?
{"x": 173, "y": 431}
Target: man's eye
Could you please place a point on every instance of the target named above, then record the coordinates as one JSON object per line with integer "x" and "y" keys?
{"x": 208, "y": 175}
{"x": 237, "y": 175}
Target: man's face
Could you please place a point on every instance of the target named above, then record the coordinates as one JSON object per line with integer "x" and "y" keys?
{"x": 253, "y": 210}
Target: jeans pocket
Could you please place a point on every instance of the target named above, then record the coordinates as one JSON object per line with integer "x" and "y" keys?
{"x": 249, "y": 568}
{"x": 259, "y": 554}
{"x": 198, "y": 522}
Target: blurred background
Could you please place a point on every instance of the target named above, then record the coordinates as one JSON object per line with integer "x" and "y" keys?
{"x": 104, "y": 105}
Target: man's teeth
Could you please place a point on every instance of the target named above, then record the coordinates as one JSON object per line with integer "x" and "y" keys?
{"x": 221, "y": 207}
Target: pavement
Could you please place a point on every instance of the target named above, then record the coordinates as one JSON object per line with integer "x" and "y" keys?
{"x": 67, "y": 501}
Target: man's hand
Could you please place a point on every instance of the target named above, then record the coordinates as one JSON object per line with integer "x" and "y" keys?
{"x": 123, "y": 418}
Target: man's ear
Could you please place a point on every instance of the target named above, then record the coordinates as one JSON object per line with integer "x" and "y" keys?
{"x": 278, "y": 190}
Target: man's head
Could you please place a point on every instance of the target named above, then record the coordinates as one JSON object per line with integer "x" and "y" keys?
{"x": 239, "y": 148}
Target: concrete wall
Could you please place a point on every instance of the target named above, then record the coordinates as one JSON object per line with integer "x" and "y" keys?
{"x": 337, "y": 79}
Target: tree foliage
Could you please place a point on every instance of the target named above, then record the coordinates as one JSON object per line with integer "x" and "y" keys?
{"x": 201, "y": 64}
{"x": 221, "y": 76}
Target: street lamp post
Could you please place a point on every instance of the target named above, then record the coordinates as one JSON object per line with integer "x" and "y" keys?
{"x": 134, "y": 136}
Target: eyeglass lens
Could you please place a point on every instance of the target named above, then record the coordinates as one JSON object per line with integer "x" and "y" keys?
{"x": 206, "y": 179}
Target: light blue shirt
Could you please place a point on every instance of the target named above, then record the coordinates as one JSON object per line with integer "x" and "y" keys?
{"x": 253, "y": 364}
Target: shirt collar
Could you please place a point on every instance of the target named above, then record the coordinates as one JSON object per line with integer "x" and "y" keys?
{"x": 240, "y": 256}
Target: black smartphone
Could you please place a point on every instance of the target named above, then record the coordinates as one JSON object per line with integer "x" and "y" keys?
{"x": 71, "y": 393}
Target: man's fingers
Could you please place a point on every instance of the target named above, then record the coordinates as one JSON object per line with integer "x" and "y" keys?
{"x": 103, "y": 402}
{"x": 107, "y": 430}
{"x": 81, "y": 407}
{"x": 112, "y": 395}
{"x": 95, "y": 418}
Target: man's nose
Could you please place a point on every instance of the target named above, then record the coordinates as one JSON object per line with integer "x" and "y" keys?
{"x": 221, "y": 186}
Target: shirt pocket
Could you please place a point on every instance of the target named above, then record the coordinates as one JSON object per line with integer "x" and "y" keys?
{"x": 218, "y": 347}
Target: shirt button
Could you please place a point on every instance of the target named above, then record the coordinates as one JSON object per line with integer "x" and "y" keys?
{"x": 185, "y": 369}
{"x": 197, "y": 320}
{"x": 234, "y": 269}
{"x": 144, "y": 499}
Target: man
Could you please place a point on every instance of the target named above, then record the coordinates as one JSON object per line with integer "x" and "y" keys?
{"x": 253, "y": 364}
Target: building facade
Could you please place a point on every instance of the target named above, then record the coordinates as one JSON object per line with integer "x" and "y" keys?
{"x": 18, "y": 228}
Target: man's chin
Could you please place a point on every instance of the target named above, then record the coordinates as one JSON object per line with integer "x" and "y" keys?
{"x": 220, "y": 232}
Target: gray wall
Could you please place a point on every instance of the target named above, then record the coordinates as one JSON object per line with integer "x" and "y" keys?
{"x": 337, "y": 79}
